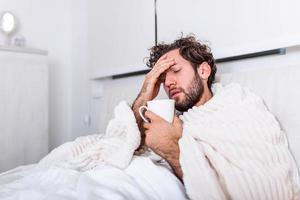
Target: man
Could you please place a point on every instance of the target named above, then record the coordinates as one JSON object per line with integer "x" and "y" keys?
{"x": 186, "y": 68}
{"x": 232, "y": 146}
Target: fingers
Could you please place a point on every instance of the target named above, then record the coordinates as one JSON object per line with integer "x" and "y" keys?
{"x": 152, "y": 116}
{"x": 146, "y": 126}
{"x": 162, "y": 58}
{"x": 153, "y": 78}
{"x": 161, "y": 67}
{"x": 177, "y": 121}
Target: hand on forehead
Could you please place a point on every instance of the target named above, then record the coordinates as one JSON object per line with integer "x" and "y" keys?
{"x": 162, "y": 77}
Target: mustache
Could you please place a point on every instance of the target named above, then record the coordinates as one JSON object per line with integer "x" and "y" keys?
{"x": 180, "y": 89}
{"x": 177, "y": 89}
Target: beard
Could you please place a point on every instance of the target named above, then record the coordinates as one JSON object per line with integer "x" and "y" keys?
{"x": 191, "y": 96}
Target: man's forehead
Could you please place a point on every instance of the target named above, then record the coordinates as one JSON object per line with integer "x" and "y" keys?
{"x": 173, "y": 53}
{"x": 179, "y": 60}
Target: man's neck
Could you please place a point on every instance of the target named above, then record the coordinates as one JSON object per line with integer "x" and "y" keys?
{"x": 207, "y": 95}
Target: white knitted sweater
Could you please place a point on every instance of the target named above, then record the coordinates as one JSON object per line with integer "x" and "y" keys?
{"x": 233, "y": 148}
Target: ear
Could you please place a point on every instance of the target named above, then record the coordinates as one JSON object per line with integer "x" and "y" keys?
{"x": 204, "y": 71}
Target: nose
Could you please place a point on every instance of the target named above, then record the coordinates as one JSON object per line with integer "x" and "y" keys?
{"x": 170, "y": 79}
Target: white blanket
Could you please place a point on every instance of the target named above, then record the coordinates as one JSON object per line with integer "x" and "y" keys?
{"x": 233, "y": 148}
{"x": 142, "y": 179}
{"x": 115, "y": 147}
{"x": 95, "y": 167}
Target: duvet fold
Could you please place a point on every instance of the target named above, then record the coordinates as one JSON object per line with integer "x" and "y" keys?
{"x": 116, "y": 147}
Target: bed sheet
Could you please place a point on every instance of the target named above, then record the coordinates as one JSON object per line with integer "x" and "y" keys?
{"x": 142, "y": 179}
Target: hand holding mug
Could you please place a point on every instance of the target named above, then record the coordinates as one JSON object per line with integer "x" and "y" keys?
{"x": 163, "y": 108}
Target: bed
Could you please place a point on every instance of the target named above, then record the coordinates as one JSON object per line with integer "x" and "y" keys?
{"x": 279, "y": 88}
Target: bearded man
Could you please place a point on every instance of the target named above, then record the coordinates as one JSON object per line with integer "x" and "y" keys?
{"x": 187, "y": 70}
{"x": 226, "y": 144}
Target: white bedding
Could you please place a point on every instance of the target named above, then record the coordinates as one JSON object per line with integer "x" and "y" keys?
{"x": 95, "y": 167}
{"x": 233, "y": 148}
{"x": 142, "y": 179}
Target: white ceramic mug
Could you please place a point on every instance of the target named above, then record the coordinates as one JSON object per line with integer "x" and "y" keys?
{"x": 162, "y": 107}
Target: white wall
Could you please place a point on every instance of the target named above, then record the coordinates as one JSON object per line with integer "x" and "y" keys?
{"x": 232, "y": 26}
{"x": 115, "y": 27}
{"x": 59, "y": 27}
{"x": 82, "y": 116}
{"x": 127, "y": 88}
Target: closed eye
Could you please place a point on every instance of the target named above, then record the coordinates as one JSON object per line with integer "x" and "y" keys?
{"x": 176, "y": 70}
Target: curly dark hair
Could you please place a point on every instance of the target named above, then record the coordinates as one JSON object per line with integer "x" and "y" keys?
{"x": 191, "y": 50}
